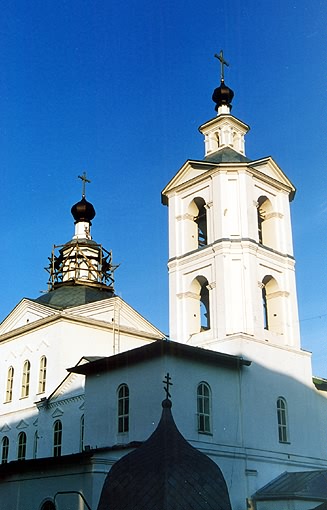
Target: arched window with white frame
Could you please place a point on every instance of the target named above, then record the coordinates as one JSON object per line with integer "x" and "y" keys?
{"x": 22, "y": 440}
{"x": 26, "y": 379}
{"x": 272, "y": 305}
{"x": 196, "y": 226}
{"x": 10, "y": 383}
{"x": 57, "y": 438}
{"x": 282, "y": 420}
{"x": 4, "y": 449}
{"x": 266, "y": 222}
{"x": 204, "y": 408}
{"x": 199, "y": 306}
{"x": 42, "y": 374}
{"x": 123, "y": 408}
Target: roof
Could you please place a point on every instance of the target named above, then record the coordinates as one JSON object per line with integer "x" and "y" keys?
{"x": 301, "y": 485}
{"x": 165, "y": 473}
{"x": 226, "y": 155}
{"x": 67, "y": 296}
{"x": 157, "y": 349}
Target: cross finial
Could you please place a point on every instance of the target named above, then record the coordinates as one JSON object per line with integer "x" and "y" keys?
{"x": 167, "y": 383}
{"x": 85, "y": 180}
{"x": 223, "y": 63}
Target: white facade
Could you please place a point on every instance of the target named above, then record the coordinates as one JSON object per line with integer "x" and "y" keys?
{"x": 232, "y": 292}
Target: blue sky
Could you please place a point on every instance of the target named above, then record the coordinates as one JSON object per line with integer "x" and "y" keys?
{"x": 119, "y": 89}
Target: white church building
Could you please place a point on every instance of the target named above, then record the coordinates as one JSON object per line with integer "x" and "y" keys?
{"x": 82, "y": 371}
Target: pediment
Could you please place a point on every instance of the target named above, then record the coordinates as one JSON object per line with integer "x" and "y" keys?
{"x": 25, "y": 313}
{"x": 57, "y": 413}
{"x": 5, "y": 428}
{"x": 269, "y": 168}
{"x": 70, "y": 387}
{"x": 115, "y": 311}
{"x": 189, "y": 171}
{"x": 22, "y": 425}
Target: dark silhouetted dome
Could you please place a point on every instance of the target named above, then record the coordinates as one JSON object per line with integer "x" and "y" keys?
{"x": 83, "y": 211}
{"x": 222, "y": 95}
{"x": 165, "y": 473}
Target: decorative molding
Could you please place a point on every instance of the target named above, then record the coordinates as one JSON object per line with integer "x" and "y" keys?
{"x": 22, "y": 425}
{"x": 50, "y": 405}
{"x": 186, "y": 216}
{"x": 261, "y": 285}
{"x": 208, "y": 205}
{"x": 273, "y": 215}
{"x": 189, "y": 294}
{"x": 26, "y": 349}
{"x": 211, "y": 285}
{"x": 5, "y": 428}
{"x": 278, "y": 293}
{"x": 57, "y": 413}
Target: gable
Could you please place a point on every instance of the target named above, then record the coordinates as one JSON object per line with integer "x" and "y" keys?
{"x": 268, "y": 168}
{"x": 25, "y": 313}
{"x": 117, "y": 312}
{"x": 189, "y": 171}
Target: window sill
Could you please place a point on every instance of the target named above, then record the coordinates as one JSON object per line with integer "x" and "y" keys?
{"x": 205, "y": 433}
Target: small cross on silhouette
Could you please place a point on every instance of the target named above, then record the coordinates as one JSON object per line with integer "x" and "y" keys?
{"x": 167, "y": 384}
{"x": 223, "y": 63}
{"x": 85, "y": 180}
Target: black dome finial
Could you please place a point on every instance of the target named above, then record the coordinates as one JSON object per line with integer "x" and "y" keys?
{"x": 83, "y": 210}
{"x": 222, "y": 95}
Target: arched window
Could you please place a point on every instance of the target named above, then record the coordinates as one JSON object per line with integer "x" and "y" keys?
{"x": 195, "y": 227}
{"x": 57, "y": 438}
{"x": 21, "y": 453}
{"x": 10, "y": 383}
{"x": 82, "y": 433}
{"x": 48, "y": 505}
{"x": 26, "y": 379}
{"x": 4, "y": 450}
{"x": 123, "y": 408}
{"x": 265, "y": 308}
{"x": 36, "y": 437}
{"x": 199, "y": 306}
{"x": 42, "y": 374}
{"x": 204, "y": 408}
{"x": 204, "y": 306}
{"x": 266, "y": 222}
{"x": 282, "y": 420}
{"x": 272, "y": 306}
{"x": 201, "y": 221}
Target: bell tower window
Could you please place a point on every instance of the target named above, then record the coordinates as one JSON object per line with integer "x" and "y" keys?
{"x": 199, "y": 306}
{"x": 272, "y": 305}
{"x": 201, "y": 221}
{"x": 204, "y": 308}
{"x": 266, "y": 219}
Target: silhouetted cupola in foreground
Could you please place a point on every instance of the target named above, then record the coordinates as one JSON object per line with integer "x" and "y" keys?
{"x": 165, "y": 473}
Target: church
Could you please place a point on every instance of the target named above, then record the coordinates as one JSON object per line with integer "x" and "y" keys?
{"x": 83, "y": 374}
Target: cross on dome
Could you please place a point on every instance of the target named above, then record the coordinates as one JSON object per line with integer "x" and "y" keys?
{"x": 85, "y": 180}
{"x": 167, "y": 383}
{"x": 223, "y": 63}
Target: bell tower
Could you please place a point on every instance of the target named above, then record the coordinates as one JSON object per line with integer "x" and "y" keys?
{"x": 231, "y": 264}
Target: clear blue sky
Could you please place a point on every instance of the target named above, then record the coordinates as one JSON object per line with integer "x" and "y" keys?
{"x": 119, "y": 89}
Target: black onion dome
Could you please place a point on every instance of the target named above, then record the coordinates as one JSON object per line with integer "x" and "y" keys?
{"x": 165, "y": 473}
{"x": 222, "y": 95}
{"x": 83, "y": 211}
